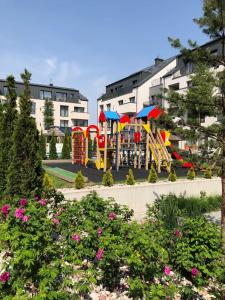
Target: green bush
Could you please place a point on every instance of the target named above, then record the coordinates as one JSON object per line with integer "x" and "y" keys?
{"x": 52, "y": 147}
{"x": 47, "y": 182}
{"x": 79, "y": 180}
{"x": 130, "y": 178}
{"x": 152, "y": 177}
{"x": 208, "y": 173}
{"x": 107, "y": 179}
{"x": 191, "y": 174}
{"x": 172, "y": 176}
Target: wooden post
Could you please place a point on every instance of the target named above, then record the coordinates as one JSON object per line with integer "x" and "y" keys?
{"x": 105, "y": 149}
{"x": 147, "y": 148}
{"x": 72, "y": 148}
{"x": 139, "y": 146}
{"x": 135, "y": 145}
{"x": 86, "y": 151}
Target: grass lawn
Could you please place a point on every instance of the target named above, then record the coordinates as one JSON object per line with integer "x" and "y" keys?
{"x": 59, "y": 183}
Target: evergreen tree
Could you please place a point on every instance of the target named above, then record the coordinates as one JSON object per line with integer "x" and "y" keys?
{"x": 48, "y": 114}
{"x": 79, "y": 180}
{"x": 191, "y": 174}
{"x": 94, "y": 147}
{"x": 152, "y": 177}
{"x": 107, "y": 179}
{"x": 52, "y": 147}
{"x": 42, "y": 145}
{"x": 47, "y": 182}
{"x": 172, "y": 176}
{"x": 25, "y": 173}
{"x": 90, "y": 148}
{"x": 66, "y": 147}
{"x": 208, "y": 173}
{"x": 201, "y": 99}
{"x": 130, "y": 178}
{"x": 7, "y": 123}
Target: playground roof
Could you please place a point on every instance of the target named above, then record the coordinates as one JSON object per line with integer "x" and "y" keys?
{"x": 150, "y": 112}
{"x": 109, "y": 115}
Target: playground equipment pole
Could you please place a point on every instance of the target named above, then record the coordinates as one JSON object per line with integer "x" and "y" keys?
{"x": 105, "y": 149}
{"x": 117, "y": 147}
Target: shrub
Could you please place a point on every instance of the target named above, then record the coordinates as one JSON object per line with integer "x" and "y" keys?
{"x": 152, "y": 177}
{"x": 130, "y": 178}
{"x": 208, "y": 173}
{"x": 52, "y": 147}
{"x": 47, "y": 182}
{"x": 191, "y": 174}
{"x": 79, "y": 180}
{"x": 172, "y": 176}
{"x": 107, "y": 179}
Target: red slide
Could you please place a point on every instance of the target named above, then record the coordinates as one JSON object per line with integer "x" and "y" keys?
{"x": 178, "y": 157}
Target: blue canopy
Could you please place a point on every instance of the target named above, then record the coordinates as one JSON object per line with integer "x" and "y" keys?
{"x": 111, "y": 115}
{"x": 145, "y": 111}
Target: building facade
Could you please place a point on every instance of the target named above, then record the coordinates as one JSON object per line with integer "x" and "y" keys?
{"x": 70, "y": 106}
{"x": 130, "y": 94}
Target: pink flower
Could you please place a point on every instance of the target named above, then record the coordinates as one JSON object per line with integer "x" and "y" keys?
{"x": 194, "y": 272}
{"x": 99, "y": 254}
{"x": 167, "y": 270}
{"x": 42, "y": 202}
{"x": 5, "y": 209}
{"x": 25, "y": 218}
{"x": 56, "y": 221}
{"x": 112, "y": 216}
{"x": 4, "y": 277}
{"x": 23, "y": 202}
{"x": 76, "y": 238}
{"x": 99, "y": 231}
{"x": 177, "y": 233}
{"x": 36, "y": 198}
{"x": 19, "y": 213}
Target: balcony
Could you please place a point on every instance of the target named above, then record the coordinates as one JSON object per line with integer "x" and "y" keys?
{"x": 79, "y": 115}
{"x": 127, "y": 108}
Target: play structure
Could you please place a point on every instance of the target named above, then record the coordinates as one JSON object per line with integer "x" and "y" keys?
{"x": 122, "y": 141}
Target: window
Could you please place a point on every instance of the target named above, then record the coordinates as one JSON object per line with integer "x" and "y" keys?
{"x": 79, "y": 109}
{"x": 61, "y": 96}
{"x": 111, "y": 90}
{"x": 5, "y": 90}
{"x": 214, "y": 52}
{"x": 188, "y": 67}
{"x": 132, "y": 100}
{"x": 71, "y": 96}
{"x": 101, "y": 107}
{"x": 78, "y": 122}
{"x": 63, "y": 123}
{"x": 120, "y": 102}
{"x": 33, "y": 108}
{"x": 174, "y": 87}
{"x": 63, "y": 111}
{"x": 108, "y": 107}
{"x": 189, "y": 83}
{"x": 134, "y": 82}
{"x": 45, "y": 95}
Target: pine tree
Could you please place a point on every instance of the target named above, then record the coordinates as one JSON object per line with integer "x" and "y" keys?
{"x": 107, "y": 179}
{"x": 47, "y": 182}
{"x": 42, "y": 145}
{"x": 66, "y": 147}
{"x": 201, "y": 99}
{"x": 52, "y": 147}
{"x": 94, "y": 147}
{"x": 208, "y": 173}
{"x": 25, "y": 173}
{"x": 79, "y": 180}
{"x": 130, "y": 178}
{"x": 152, "y": 177}
{"x": 48, "y": 114}
{"x": 191, "y": 174}
{"x": 90, "y": 148}
{"x": 172, "y": 176}
{"x": 7, "y": 124}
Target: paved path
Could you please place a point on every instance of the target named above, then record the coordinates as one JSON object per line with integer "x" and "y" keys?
{"x": 214, "y": 216}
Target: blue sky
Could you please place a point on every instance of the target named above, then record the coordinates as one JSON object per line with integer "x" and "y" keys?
{"x": 87, "y": 44}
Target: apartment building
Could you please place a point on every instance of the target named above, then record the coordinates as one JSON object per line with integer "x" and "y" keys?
{"x": 70, "y": 106}
{"x": 130, "y": 94}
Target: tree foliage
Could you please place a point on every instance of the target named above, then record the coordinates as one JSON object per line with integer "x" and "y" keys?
{"x": 66, "y": 146}
{"x": 48, "y": 113}
{"x": 130, "y": 178}
{"x": 107, "y": 179}
{"x": 152, "y": 177}
{"x": 79, "y": 180}
{"x": 52, "y": 147}
{"x": 42, "y": 145}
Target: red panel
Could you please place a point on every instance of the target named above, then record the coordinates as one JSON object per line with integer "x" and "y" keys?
{"x": 154, "y": 113}
{"x": 92, "y": 127}
{"x": 137, "y": 137}
{"x": 125, "y": 119}
{"x": 163, "y": 135}
{"x": 101, "y": 141}
{"x": 102, "y": 117}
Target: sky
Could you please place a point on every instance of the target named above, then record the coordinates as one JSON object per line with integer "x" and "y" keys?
{"x": 87, "y": 44}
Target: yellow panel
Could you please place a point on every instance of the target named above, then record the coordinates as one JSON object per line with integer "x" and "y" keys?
{"x": 146, "y": 127}
{"x": 86, "y": 161}
{"x": 121, "y": 126}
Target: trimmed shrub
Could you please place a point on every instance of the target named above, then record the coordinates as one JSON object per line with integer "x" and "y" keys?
{"x": 208, "y": 173}
{"x": 107, "y": 179}
{"x": 152, "y": 177}
{"x": 79, "y": 180}
{"x": 47, "y": 182}
{"x": 52, "y": 147}
{"x": 191, "y": 174}
{"x": 130, "y": 178}
{"x": 172, "y": 176}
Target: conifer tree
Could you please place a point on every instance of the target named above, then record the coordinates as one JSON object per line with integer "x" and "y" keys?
{"x": 52, "y": 147}
{"x": 172, "y": 176}
{"x": 42, "y": 145}
{"x": 25, "y": 173}
{"x": 7, "y": 123}
{"x": 208, "y": 173}
{"x": 66, "y": 147}
{"x": 191, "y": 174}
{"x": 79, "y": 180}
{"x": 90, "y": 148}
{"x": 107, "y": 179}
{"x": 48, "y": 114}
{"x": 130, "y": 178}
{"x": 152, "y": 177}
{"x": 94, "y": 147}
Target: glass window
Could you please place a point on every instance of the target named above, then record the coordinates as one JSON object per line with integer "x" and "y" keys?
{"x": 82, "y": 123}
{"x": 108, "y": 107}
{"x": 5, "y": 90}
{"x": 134, "y": 82}
{"x": 63, "y": 123}
{"x": 101, "y": 107}
{"x": 45, "y": 95}
{"x": 61, "y": 96}
{"x": 132, "y": 100}
{"x": 120, "y": 102}
{"x": 33, "y": 108}
{"x": 64, "y": 111}
{"x": 79, "y": 109}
